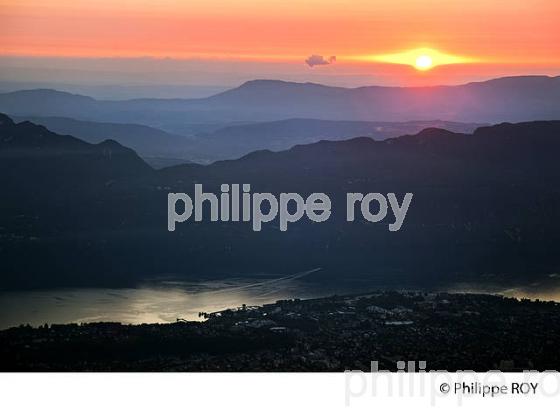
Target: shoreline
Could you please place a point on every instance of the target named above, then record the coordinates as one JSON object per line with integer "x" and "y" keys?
{"x": 337, "y": 333}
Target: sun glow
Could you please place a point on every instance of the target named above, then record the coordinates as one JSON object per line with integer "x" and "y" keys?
{"x": 423, "y": 62}
{"x": 421, "y": 58}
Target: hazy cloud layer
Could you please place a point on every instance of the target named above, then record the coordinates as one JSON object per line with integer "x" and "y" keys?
{"x": 315, "y": 59}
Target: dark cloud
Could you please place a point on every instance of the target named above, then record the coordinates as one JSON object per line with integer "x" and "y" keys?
{"x": 315, "y": 59}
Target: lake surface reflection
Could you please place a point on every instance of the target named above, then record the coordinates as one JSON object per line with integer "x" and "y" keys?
{"x": 157, "y": 302}
{"x": 164, "y": 302}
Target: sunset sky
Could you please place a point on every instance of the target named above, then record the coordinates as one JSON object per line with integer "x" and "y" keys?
{"x": 227, "y": 41}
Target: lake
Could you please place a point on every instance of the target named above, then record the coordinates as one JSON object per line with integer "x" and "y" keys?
{"x": 162, "y": 301}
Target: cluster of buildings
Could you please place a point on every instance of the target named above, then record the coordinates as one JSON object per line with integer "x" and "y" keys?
{"x": 446, "y": 331}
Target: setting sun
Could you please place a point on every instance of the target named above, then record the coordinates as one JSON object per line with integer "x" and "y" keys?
{"x": 423, "y": 62}
{"x": 421, "y": 58}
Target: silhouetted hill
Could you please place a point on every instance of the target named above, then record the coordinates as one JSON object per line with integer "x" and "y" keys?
{"x": 235, "y": 141}
{"x": 50, "y": 182}
{"x": 486, "y": 209}
{"x": 146, "y": 141}
{"x": 45, "y": 102}
{"x": 37, "y": 162}
{"x": 511, "y": 99}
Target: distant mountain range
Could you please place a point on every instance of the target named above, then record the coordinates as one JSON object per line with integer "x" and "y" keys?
{"x": 160, "y": 148}
{"x": 511, "y": 99}
{"x": 276, "y": 115}
{"x": 486, "y": 208}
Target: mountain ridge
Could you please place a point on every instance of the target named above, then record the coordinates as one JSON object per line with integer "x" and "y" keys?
{"x": 488, "y": 201}
{"x": 265, "y": 82}
{"x": 513, "y": 99}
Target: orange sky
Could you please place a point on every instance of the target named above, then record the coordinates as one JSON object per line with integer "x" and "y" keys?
{"x": 494, "y": 32}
